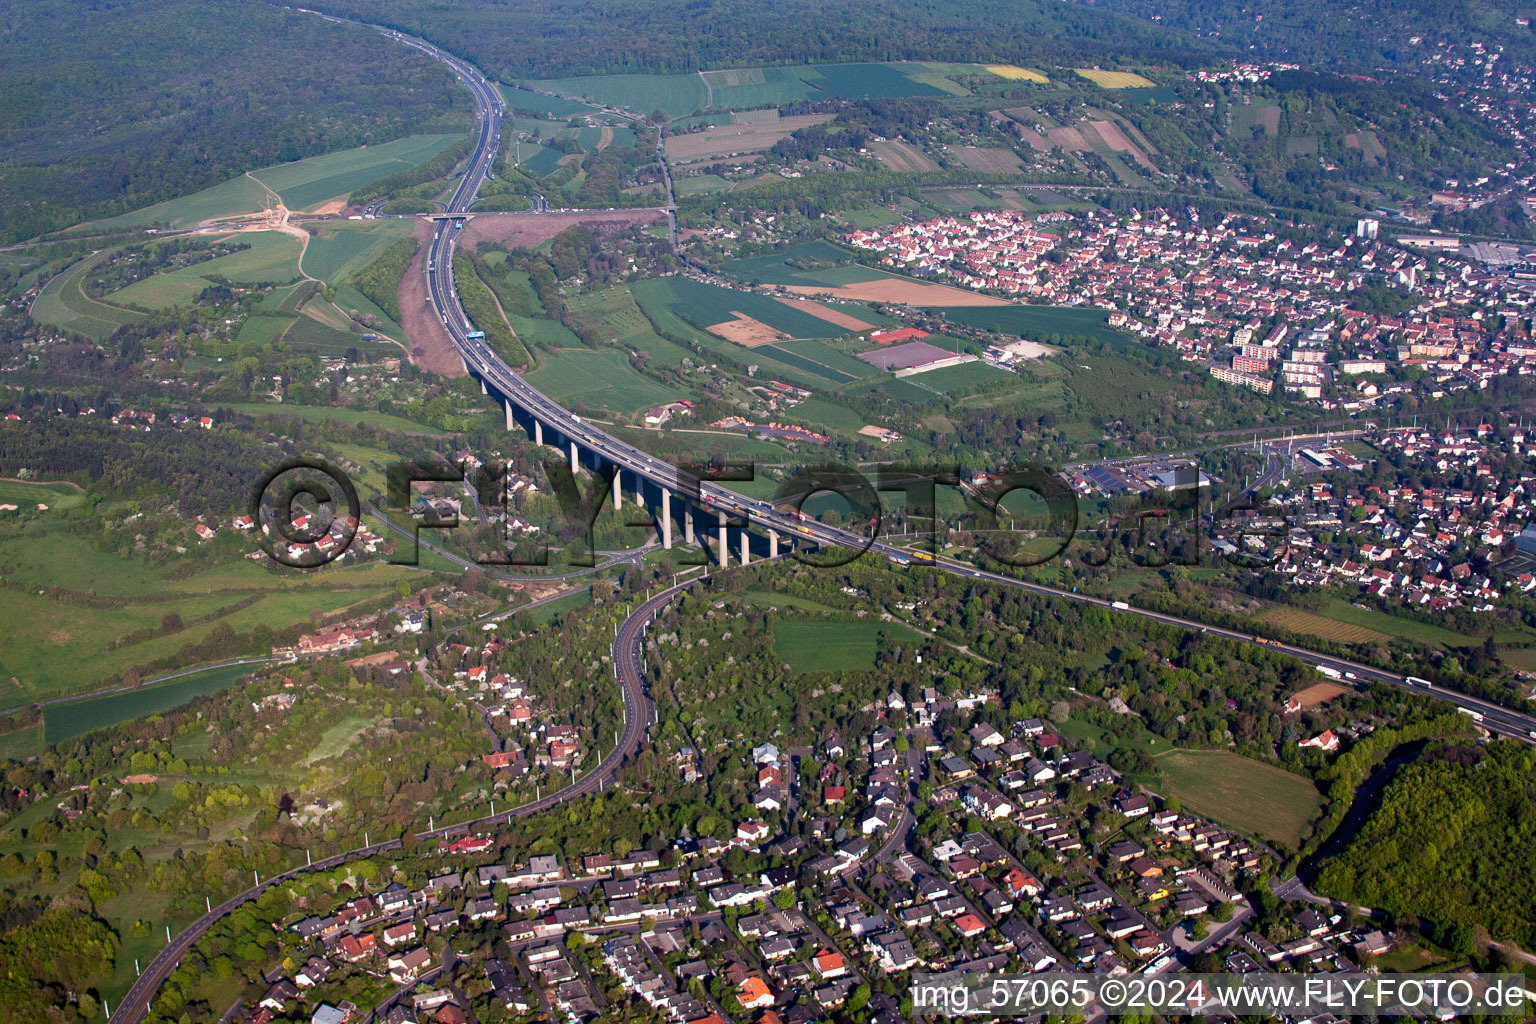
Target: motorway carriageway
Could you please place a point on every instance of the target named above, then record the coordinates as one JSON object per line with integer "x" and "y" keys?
{"x": 479, "y": 357}
{"x": 638, "y": 710}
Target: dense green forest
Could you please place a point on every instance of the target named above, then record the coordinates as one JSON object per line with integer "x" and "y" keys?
{"x": 515, "y": 39}
{"x": 1341, "y": 33}
{"x": 1452, "y": 841}
{"x": 107, "y": 106}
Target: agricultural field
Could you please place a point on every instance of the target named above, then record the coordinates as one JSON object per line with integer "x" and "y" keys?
{"x": 64, "y": 304}
{"x": 105, "y": 639}
{"x": 309, "y": 184}
{"x": 834, "y": 263}
{"x": 705, "y": 305}
{"x": 990, "y": 161}
{"x": 868, "y": 81}
{"x": 272, "y": 257}
{"x": 339, "y": 249}
{"x": 677, "y": 95}
{"x": 614, "y": 310}
{"x": 302, "y": 184}
{"x": 1308, "y": 624}
{"x": 893, "y": 288}
{"x": 810, "y": 646}
{"x": 553, "y": 106}
{"x": 598, "y": 379}
{"x": 1393, "y": 625}
{"x": 263, "y": 330}
{"x": 700, "y": 185}
{"x": 1115, "y": 79}
{"x": 753, "y": 87}
{"x": 896, "y": 155}
{"x": 316, "y": 336}
{"x": 320, "y": 413}
{"x": 1016, "y": 74}
{"x": 727, "y": 140}
{"x": 540, "y": 162}
{"x": 1036, "y": 323}
{"x": 1255, "y": 798}
{"x": 824, "y": 360}
{"x": 683, "y": 95}
{"x": 1319, "y": 694}
{"x": 1256, "y": 117}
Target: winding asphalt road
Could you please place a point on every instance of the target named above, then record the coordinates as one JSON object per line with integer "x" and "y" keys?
{"x": 638, "y": 715}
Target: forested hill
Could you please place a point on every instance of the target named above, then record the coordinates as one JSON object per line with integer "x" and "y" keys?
{"x": 553, "y": 38}
{"x": 110, "y": 105}
{"x": 1342, "y": 34}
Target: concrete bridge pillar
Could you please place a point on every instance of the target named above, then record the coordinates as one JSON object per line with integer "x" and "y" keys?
{"x": 575, "y": 463}
{"x": 666, "y": 519}
{"x": 538, "y": 431}
{"x": 483, "y": 389}
{"x": 773, "y": 544}
{"x": 510, "y": 423}
{"x": 618, "y": 490}
{"x": 725, "y": 548}
{"x": 687, "y": 524}
{"x": 746, "y": 549}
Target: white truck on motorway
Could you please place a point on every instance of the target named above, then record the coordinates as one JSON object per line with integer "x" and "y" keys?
{"x": 1331, "y": 673}
{"x": 1120, "y": 606}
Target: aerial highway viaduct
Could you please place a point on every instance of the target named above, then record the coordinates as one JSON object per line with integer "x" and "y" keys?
{"x": 550, "y": 422}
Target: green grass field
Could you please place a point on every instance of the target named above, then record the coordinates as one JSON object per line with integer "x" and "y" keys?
{"x": 1035, "y": 322}
{"x": 834, "y": 646}
{"x": 237, "y": 195}
{"x": 1392, "y": 625}
{"x": 22, "y": 743}
{"x": 860, "y": 81}
{"x": 701, "y": 185}
{"x": 706, "y": 304}
{"x": 741, "y": 88}
{"x": 678, "y": 95}
{"x": 83, "y": 643}
{"x": 263, "y": 330}
{"x": 323, "y": 412}
{"x": 1255, "y": 798}
{"x": 302, "y": 184}
{"x": 63, "y": 304}
{"x": 306, "y": 184}
{"x": 338, "y": 250}
{"x": 524, "y": 99}
{"x": 66, "y": 721}
{"x": 26, "y": 495}
{"x": 81, "y": 646}
{"x": 768, "y": 599}
{"x": 272, "y": 257}
{"x": 337, "y": 738}
{"x": 599, "y": 379}
{"x": 560, "y": 605}
{"x": 615, "y": 310}
{"x": 776, "y": 269}
{"x": 953, "y": 378}
{"x": 682, "y": 95}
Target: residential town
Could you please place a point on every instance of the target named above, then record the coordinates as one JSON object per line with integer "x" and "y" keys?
{"x": 827, "y": 896}
{"x": 1245, "y": 298}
